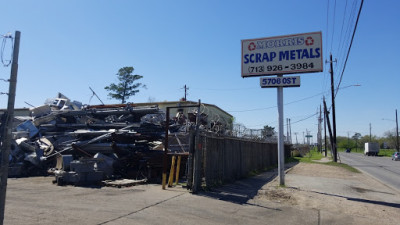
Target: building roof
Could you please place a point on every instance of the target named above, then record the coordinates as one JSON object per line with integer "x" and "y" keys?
{"x": 175, "y": 103}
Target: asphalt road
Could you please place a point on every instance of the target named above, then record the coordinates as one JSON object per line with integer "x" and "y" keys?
{"x": 382, "y": 168}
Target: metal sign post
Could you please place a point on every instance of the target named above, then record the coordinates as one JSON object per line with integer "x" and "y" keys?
{"x": 288, "y": 54}
{"x": 281, "y": 147}
{"x": 280, "y": 82}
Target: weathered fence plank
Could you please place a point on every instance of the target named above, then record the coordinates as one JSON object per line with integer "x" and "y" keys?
{"x": 228, "y": 159}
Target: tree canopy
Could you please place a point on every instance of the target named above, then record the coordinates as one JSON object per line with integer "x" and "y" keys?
{"x": 127, "y": 85}
{"x": 268, "y": 131}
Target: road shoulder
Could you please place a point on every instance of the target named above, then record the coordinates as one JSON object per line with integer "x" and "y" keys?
{"x": 336, "y": 193}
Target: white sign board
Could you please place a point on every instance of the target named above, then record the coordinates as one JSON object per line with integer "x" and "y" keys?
{"x": 298, "y": 53}
{"x": 283, "y": 81}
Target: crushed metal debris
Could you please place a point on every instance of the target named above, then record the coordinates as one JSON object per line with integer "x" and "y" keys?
{"x": 82, "y": 145}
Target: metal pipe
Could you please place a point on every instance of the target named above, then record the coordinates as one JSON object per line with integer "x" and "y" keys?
{"x": 281, "y": 158}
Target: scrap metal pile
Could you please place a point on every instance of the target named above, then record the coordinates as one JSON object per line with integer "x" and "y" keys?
{"x": 90, "y": 144}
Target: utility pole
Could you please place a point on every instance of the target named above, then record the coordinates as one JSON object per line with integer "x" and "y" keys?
{"x": 186, "y": 89}
{"x": 397, "y": 133}
{"x": 348, "y": 138}
{"x": 6, "y": 136}
{"x": 329, "y": 125}
{"x": 287, "y": 129}
{"x": 320, "y": 130}
{"x": 290, "y": 131}
{"x": 297, "y": 142}
{"x": 370, "y": 136}
{"x": 334, "y": 150}
{"x": 326, "y": 147}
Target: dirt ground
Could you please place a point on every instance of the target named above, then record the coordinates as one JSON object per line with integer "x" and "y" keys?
{"x": 335, "y": 190}
{"x": 314, "y": 194}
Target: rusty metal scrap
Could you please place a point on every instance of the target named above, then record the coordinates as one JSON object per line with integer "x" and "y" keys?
{"x": 87, "y": 144}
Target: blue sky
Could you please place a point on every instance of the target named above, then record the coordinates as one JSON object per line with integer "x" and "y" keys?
{"x": 69, "y": 46}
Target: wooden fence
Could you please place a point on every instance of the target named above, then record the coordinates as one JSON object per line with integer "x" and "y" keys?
{"x": 225, "y": 159}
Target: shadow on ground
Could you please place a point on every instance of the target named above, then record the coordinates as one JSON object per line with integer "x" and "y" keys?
{"x": 390, "y": 204}
{"x": 241, "y": 191}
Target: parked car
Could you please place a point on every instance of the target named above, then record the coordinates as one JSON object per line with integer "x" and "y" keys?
{"x": 396, "y": 156}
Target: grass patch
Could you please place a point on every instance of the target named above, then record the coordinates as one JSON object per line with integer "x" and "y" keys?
{"x": 386, "y": 152}
{"x": 308, "y": 158}
{"x": 315, "y": 155}
{"x": 345, "y": 166}
{"x": 292, "y": 160}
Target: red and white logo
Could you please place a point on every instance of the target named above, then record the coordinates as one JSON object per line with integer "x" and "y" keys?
{"x": 309, "y": 41}
{"x": 252, "y": 46}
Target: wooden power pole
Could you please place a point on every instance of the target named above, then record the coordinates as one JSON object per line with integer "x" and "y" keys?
{"x": 326, "y": 147}
{"x": 186, "y": 89}
{"x": 6, "y": 136}
{"x": 334, "y": 149}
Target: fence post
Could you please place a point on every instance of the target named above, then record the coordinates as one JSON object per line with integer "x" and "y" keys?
{"x": 197, "y": 165}
{"x": 190, "y": 159}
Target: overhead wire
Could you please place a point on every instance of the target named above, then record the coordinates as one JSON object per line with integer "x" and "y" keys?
{"x": 341, "y": 32}
{"x": 325, "y": 81}
{"x": 221, "y": 89}
{"x": 333, "y": 25}
{"x": 351, "y": 43}
{"x": 327, "y": 25}
{"x": 3, "y": 47}
{"x": 341, "y": 50}
{"x": 308, "y": 117}
{"x": 298, "y": 121}
{"x": 344, "y": 38}
{"x": 296, "y": 101}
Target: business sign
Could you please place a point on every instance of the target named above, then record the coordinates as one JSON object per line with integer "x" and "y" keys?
{"x": 298, "y": 53}
{"x": 283, "y": 81}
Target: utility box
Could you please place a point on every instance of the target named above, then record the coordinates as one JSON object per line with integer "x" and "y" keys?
{"x": 371, "y": 148}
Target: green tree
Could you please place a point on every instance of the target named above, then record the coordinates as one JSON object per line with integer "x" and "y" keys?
{"x": 127, "y": 85}
{"x": 356, "y": 137}
{"x": 268, "y": 131}
{"x": 366, "y": 138}
{"x": 344, "y": 142}
{"x": 390, "y": 138}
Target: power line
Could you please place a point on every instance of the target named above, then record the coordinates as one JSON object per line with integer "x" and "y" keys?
{"x": 347, "y": 36}
{"x": 186, "y": 89}
{"x": 341, "y": 30}
{"x": 327, "y": 26}
{"x": 351, "y": 43}
{"x": 221, "y": 89}
{"x": 256, "y": 109}
{"x": 333, "y": 24}
{"x": 298, "y": 121}
{"x": 296, "y": 101}
{"x": 3, "y": 47}
{"x": 308, "y": 117}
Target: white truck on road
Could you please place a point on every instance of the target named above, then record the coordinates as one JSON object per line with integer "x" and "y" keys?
{"x": 371, "y": 148}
